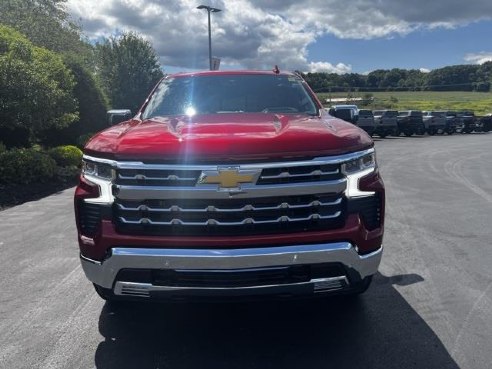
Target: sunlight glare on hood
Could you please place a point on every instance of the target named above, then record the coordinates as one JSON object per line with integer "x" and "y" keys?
{"x": 190, "y": 111}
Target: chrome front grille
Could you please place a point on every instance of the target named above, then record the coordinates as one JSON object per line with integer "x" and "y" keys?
{"x": 245, "y": 199}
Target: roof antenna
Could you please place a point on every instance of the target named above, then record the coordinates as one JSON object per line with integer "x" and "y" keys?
{"x": 276, "y": 70}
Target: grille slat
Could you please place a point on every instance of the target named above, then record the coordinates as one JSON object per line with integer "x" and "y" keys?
{"x": 211, "y": 221}
{"x": 298, "y": 174}
{"x": 287, "y": 174}
{"x": 158, "y": 177}
{"x": 211, "y": 208}
{"x": 170, "y": 177}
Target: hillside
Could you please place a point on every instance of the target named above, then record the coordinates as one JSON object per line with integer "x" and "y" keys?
{"x": 479, "y": 102}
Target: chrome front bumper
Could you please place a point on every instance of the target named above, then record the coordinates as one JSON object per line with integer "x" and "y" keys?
{"x": 105, "y": 273}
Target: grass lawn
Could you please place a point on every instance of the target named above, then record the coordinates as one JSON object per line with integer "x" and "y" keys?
{"x": 479, "y": 102}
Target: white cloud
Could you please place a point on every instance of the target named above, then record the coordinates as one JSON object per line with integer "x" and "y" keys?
{"x": 262, "y": 33}
{"x": 325, "y": 67}
{"x": 478, "y": 58}
{"x": 424, "y": 70}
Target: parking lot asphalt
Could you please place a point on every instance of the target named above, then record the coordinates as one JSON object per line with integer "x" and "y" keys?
{"x": 428, "y": 307}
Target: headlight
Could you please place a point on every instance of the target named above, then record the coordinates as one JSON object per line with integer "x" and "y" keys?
{"x": 98, "y": 170}
{"x": 355, "y": 169}
{"x": 360, "y": 164}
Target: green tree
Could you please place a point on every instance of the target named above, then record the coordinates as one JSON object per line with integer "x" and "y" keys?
{"x": 35, "y": 90}
{"x": 46, "y": 23}
{"x": 128, "y": 68}
{"x": 453, "y": 78}
{"x": 375, "y": 78}
{"x": 92, "y": 103}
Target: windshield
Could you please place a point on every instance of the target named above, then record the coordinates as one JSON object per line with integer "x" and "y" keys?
{"x": 391, "y": 113}
{"x": 365, "y": 113}
{"x": 437, "y": 113}
{"x": 344, "y": 114}
{"x": 230, "y": 94}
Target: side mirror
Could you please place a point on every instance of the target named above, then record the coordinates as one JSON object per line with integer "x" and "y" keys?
{"x": 116, "y": 116}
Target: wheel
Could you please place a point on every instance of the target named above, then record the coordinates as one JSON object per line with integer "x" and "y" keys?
{"x": 382, "y": 134}
{"x": 408, "y": 133}
{"x": 431, "y": 132}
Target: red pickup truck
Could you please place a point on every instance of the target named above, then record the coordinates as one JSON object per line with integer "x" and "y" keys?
{"x": 227, "y": 184}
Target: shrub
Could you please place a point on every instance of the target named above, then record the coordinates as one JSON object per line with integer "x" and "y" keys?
{"x": 66, "y": 156}
{"x": 66, "y": 174}
{"x": 24, "y": 166}
{"x": 3, "y": 148}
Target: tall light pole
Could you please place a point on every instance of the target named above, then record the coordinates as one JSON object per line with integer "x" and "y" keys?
{"x": 209, "y": 10}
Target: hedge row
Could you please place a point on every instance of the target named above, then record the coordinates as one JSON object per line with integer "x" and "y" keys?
{"x": 25, "y": 166}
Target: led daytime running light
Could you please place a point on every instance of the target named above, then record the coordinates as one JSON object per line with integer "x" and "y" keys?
{"x": 360, "y": 164}
{"x": 98, "y": 170}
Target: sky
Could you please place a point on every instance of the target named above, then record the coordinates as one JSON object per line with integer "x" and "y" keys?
{"x": 340, "y": 36}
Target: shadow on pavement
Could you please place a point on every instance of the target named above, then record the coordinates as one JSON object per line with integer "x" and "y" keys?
{"x": 378, "y": 330}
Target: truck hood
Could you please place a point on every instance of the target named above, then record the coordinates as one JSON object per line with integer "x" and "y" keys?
{"x": 229, "y": 137}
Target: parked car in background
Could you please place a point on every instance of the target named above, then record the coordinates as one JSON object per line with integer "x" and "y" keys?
{"x": 466, "y": 121}
{"x": 434, "y": 121}
{"x": 451, "y": 122}
{"x": 485, "y": 123}
{"x": 365, "y": 121}
{"x": 410, "y": 122}
{"x": 385, "y": 122}
{"x": 348, "y": 113}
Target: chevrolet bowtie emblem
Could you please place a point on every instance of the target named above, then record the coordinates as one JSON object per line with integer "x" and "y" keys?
{"x": 228, "y": 178}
